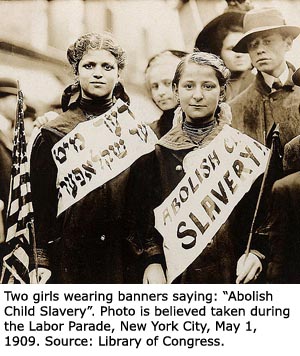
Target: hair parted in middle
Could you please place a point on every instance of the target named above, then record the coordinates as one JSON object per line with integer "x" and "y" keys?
{"x": 95, "y": 41}
{"x": 205, "y": 59}
{"x": 167, "y": 57}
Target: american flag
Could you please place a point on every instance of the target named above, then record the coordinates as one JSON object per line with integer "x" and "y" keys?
{"x": 20, "y": 232}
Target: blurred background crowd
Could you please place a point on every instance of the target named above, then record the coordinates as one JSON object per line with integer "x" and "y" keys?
{"x": 36, "y": 33}
{"x": 154, "y": 34}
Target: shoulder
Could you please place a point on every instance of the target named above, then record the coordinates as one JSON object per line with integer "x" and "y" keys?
{"x": 175, "y": 139}
{"x": 66, "y": 121}
{"x": 51, "y": 133}
{"x": 291, "y": 157}
{"x": 290, "y": 183}
{"x": 244, "y": 96}
{"x": 154, "y": 125}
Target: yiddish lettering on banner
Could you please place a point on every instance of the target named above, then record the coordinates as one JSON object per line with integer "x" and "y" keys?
{"x": 216, "y": 178}
{"x": 97, "y": 150}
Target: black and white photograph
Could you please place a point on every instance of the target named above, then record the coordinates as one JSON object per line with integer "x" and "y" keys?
{"x": 149, "y": 142}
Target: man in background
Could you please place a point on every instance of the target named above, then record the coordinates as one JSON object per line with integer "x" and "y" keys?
{"x": 272, "y": 98}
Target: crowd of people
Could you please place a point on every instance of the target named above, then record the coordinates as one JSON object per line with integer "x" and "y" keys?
{"x": 119, "y": 201}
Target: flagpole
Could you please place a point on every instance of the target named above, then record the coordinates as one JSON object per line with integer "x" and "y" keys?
{"x": 33, "y": 240}
{"x": 19, "y": 248}
{"x": 30, "y": 224}
{"x": 262, "y": 188}
{"x": 2, "y": 233}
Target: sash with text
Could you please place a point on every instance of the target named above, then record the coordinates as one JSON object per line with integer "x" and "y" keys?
{"x": 97, "y": 150}
{"x": 216, "y": 178}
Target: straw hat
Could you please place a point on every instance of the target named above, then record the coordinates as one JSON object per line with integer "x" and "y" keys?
{"x": 260, "y": 20}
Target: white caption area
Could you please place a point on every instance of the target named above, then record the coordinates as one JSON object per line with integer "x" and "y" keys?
{"x": 135, "y": 319}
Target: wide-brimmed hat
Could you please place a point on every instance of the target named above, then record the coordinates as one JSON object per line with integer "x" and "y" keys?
{"x": 8, "y": 86}
{"x": 260, "y": 20}
{"x": 210, "y": 39}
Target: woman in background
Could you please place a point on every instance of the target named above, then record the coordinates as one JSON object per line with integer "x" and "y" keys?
{"x": 159, "y": 74}
{"x": 219, "y": 37}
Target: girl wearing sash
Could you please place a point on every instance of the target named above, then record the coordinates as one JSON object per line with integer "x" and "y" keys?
{"x": 85, "y": 243}
{"x": 199, "y": 85}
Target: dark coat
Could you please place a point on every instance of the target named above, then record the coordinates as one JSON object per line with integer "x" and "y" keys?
{"x": 257, "y": 110}
{"x": 217, "y": 262}
{"x": 291, "y": 157}
{"x": 284, "y": 264}
{"x": 235, "y": 86}
{"x": 86, "y": 243}
{"x": 164, "y": 123}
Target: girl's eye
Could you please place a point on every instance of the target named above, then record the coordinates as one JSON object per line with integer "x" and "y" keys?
{"x": 167, "y": 83}
{"x": 188, "y": 86}
{"x": 209, "y": 86}
{"x": 88, "y": 66}
{"x": 154, "y": 86}
{"x": 108, "y": 66}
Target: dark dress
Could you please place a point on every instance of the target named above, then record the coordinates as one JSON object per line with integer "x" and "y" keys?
{"x": 164, "y": 123}
{"x": 161, "y": 174}
{"x": 86, "y": 243}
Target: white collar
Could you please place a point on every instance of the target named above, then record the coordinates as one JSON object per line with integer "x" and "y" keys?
{"x": 269, "y": 79}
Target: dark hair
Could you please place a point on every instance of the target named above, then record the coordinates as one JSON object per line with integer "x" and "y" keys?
{"x": 221, "y": 34}
{"x": 95, "y": 41}
{"x": 77, "y": 50}
{"x": 208, "y": 59}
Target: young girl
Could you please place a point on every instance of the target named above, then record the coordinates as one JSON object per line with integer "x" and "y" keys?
{"x": 86, "y": 243}
{"x": 159, "y": 74}
{"x": 199, "y": 84}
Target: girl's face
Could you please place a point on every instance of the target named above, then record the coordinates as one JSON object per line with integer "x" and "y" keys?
{"x": 198, "y": 92}
{"x": 160, "y": 82}
{"x": 98, "y": 74}
{"x": 235, "y": 62}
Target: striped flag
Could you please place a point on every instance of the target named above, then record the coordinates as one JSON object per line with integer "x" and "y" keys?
{"x": 20, "y": 230}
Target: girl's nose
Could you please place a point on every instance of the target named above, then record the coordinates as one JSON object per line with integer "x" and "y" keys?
{"x": 197, "y": 94}
{"x": 161, "y": 90}
{"x": 97, "y": 72}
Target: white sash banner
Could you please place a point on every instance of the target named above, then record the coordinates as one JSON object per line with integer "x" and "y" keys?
{"x": 97, "y": 150}
{"x": 216, "y": 178}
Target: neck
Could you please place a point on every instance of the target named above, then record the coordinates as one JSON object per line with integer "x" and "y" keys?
{"x": 95, "y": 107}
{"x": 199, "y": 123}
{"x": 198, "y": 134}
{"x": 235, "y": 75}
{"x": 279, "y": 70}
